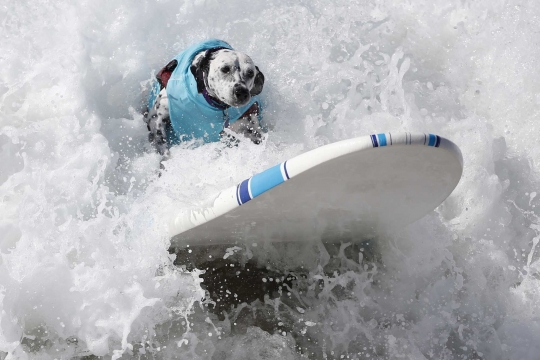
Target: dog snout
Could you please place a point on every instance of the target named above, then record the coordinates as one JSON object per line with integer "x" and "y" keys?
{"x": 241, "y": 92}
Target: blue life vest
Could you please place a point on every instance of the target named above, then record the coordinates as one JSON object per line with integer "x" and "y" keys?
{"x": 192, "y": 117}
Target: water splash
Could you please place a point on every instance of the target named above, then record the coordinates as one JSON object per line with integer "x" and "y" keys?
{"x": 85, "y": 268}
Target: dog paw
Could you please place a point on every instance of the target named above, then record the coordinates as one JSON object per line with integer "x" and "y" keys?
{"x": 227, "y": 138}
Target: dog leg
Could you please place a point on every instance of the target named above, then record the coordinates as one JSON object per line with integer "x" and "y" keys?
{"x": 156, "y": 120}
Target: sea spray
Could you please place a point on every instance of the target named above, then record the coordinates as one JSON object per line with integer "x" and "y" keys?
{"x": 85, "y": 267}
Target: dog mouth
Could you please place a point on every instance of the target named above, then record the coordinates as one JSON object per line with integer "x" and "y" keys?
{"x": 237, "y": 103}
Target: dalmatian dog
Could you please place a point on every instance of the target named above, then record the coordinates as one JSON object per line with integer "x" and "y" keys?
{"x": 225, "y": 79}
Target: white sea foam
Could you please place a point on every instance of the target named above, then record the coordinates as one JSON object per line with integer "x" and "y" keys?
{"x": 84, "y": 266}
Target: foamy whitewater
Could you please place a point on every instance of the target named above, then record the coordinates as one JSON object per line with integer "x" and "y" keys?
{"x": 85, "y": 270}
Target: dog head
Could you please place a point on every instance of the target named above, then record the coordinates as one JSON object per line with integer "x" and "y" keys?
{"x": 228, "y": 76}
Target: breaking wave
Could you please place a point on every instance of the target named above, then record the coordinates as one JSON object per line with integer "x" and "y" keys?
{"x": 85, "y": 270}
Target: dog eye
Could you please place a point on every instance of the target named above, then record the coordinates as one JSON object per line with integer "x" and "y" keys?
{"x": 250, "y": 73}
{"x": 225, "y": 69}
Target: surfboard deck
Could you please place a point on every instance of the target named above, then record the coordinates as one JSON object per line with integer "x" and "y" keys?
{"x": 355, "y": 188}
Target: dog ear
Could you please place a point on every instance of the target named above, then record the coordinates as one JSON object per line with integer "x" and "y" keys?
{"x": 258, "y": 83}
{"x": 199, "y": 67}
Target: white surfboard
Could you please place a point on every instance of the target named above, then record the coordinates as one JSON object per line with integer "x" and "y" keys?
{"x": 351, "y": 189}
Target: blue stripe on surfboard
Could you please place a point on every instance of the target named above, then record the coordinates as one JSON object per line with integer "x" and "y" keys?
{"x": 266, "y": 180}
{"x": 244, "y": 192}
{"x": 374, "y": 140}
{"x": 432, "y": 140}
{"x": 382, "y": 139}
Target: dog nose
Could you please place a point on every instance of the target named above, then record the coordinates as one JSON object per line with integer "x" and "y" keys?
{"x": 241, "y": 92}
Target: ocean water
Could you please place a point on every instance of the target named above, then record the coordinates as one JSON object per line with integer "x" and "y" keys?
{"x": 85, "y": 271}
